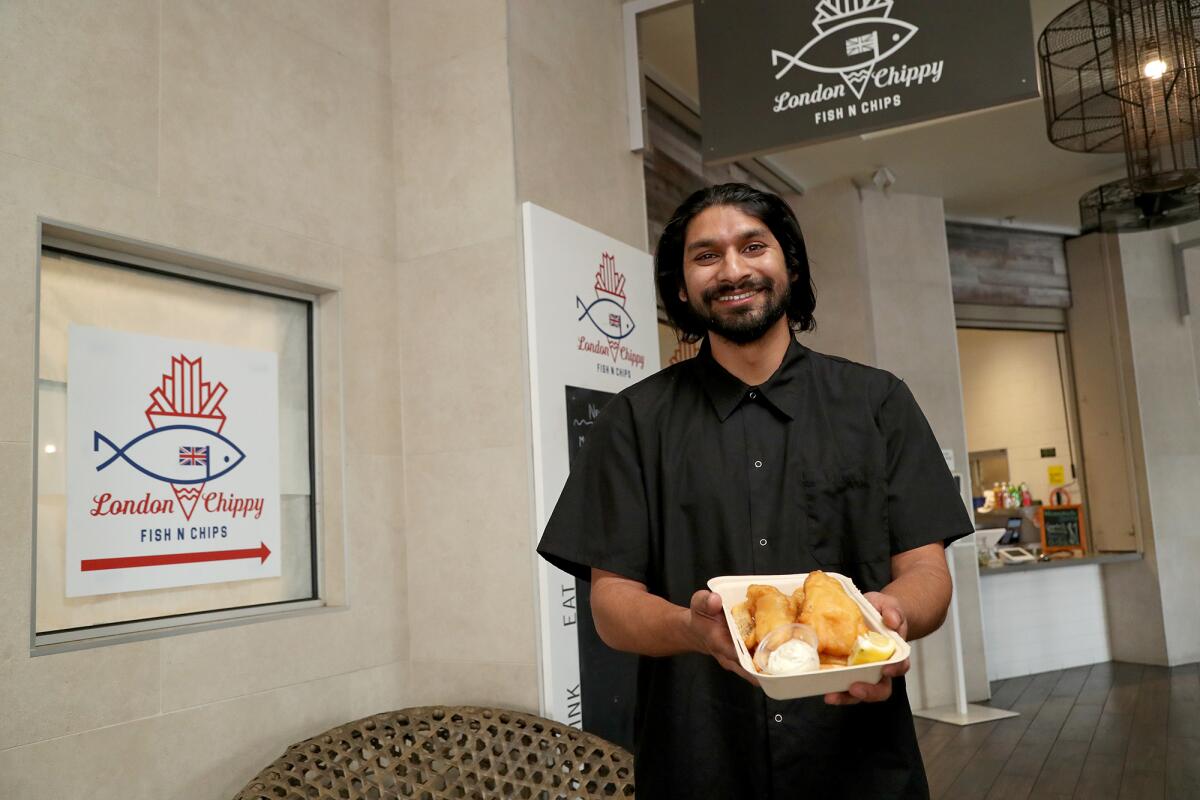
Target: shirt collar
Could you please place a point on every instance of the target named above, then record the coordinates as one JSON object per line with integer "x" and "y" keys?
{"x": 781, "y": 390}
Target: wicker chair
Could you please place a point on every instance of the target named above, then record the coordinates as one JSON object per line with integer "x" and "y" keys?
{"x": 436, "y": 753}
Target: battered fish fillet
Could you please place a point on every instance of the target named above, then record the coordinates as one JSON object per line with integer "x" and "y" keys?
{"x": 770, "y": 608}
{"x": 830, "y": 612}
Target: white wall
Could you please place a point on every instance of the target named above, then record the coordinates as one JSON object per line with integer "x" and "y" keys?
{"x": 1044, "y": 620}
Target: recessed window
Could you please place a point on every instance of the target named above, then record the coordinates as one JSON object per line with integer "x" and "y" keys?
{"x": 175, "y": 449}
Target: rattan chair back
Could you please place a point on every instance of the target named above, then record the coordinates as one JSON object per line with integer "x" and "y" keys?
{"x": 442, "y": 752}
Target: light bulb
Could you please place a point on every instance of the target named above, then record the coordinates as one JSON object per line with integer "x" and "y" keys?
{"x": 1155, "y": 68}
{"x": 51, "y": 449}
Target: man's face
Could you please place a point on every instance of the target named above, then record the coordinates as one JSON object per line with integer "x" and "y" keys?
{"x": 734, "y": 273}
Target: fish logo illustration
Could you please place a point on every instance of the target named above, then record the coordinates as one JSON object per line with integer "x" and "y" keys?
{"x": 184, "y": 446}
{"x": 158, "y": 454}
{"x": 607, "y": 312}
{"x": 852, "y": 37}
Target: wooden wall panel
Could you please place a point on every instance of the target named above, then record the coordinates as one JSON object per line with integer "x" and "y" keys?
{"x": 998, "y": 266}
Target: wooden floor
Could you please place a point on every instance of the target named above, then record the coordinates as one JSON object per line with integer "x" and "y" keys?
{"x": 1110, "y": 730}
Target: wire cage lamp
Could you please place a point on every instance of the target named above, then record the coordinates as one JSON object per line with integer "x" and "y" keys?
{"x": 1124, "y": 76}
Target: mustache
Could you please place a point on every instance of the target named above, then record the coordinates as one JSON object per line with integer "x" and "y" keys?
{"x": 747, "y": 284}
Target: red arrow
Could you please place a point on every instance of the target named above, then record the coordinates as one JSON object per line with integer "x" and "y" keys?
{"x": 91, "y": 564}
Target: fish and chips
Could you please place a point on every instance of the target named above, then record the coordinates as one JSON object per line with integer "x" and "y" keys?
{"x": 823, "y": 605}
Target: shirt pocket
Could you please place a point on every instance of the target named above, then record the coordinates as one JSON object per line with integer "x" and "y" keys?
{"x": 845, "y": 518}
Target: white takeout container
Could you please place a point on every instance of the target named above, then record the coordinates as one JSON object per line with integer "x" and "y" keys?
{"x": 732, "y": 589}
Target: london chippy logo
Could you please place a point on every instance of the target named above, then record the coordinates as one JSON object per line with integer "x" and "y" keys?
{"x": 608, "y": 315}
{"x": 184, "y": 448}
{"x": 854, "y": 38}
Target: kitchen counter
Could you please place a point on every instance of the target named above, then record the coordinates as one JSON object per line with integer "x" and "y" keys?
{"x": 1039, "y": 617}
{"x": 1102, "y": 558}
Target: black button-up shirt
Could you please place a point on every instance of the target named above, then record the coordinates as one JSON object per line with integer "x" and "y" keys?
{"x": 692, "y": 474}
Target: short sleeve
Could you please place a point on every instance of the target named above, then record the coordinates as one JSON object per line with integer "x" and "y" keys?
{"x": 923, "y": 502}
{"x": 601, "y": 518}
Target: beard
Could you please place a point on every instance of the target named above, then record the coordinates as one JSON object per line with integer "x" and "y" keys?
{"x": 748, "y": 324}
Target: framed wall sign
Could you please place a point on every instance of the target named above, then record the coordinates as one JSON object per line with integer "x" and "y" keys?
{"x": 175, "y": 477}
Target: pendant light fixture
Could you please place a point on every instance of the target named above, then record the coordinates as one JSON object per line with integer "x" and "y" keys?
{"x": 1124, "y": 76}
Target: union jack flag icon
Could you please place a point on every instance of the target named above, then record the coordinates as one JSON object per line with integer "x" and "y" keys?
{"x": 862, "y": 44}
{"x": 193, "y": 456}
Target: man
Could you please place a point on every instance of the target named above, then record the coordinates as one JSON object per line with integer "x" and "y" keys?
{"x": 758, "y": 456}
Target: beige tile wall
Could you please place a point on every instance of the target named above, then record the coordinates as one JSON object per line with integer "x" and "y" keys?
{"x": 1111, "y": 442}
{"x": 82, "y": 95}
{"x": 832, "y": 220}
{"x": 469, "y": 569}
{"x": 199, "y": 753}
{"x": 260, "y": 134}
{"x": 875, "y": 259}
{"x": 364, "y": 145}
{"x": 1107, "y": 414}
{"x": 913, "y": 309}
{"x": 1164, "y": 366}
{"x": 529, "y": 106}
{"x": 569, "y": 118}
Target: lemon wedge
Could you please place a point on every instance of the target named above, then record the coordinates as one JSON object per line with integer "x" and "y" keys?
{"x": 871, "y": 647}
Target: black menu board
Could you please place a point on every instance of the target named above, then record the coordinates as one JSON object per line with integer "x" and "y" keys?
{"x": 1062, "y": 527}
{"x": 608, "y": 679}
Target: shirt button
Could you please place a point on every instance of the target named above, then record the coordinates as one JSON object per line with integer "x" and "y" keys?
{"x": 779, "y": 717}
{"x": 753, "y": 395}
{"x": 758, "y": 464}
{"x": 762, "y": 542}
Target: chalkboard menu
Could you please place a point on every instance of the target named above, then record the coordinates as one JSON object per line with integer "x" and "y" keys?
{"x": 583, "y": 409}
{"x": 1062, "y": 528}
{"x": 608, "y": 679}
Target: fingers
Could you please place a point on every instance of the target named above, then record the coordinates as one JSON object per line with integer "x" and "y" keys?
{"x": 876, "y": 599}
{"x": 892, "y": 618}
{"x": 862, "y": 693}
{"x": 896, "y": 670}
{"x": 736, "y": 668}
{"x": 840, "y": 699}
{"x": 889, "y": 609}
{"x": 706, "y": 604}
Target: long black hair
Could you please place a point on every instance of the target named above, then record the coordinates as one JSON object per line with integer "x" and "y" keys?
{"x": 768, "y": 208}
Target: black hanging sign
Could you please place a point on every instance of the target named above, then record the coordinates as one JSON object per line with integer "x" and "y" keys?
{"x": 778, "y": 74}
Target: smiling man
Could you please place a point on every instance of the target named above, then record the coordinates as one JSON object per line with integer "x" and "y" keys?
{"x": 758, "y": 456}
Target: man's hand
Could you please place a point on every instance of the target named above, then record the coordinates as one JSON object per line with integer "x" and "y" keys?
{"x": 630, "y": 619}
{"x": 709, "y": 632}
{"x": 893, "y": 616}
{"x": 889, "y": 608}
{"x": 914, "y": 605}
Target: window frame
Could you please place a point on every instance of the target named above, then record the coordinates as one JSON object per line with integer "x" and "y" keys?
{"x": 1051, "y": 321}
{"x": 63, "y": 239}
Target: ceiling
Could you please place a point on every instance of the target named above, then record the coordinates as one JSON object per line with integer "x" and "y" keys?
{"x": 994, "y": 166}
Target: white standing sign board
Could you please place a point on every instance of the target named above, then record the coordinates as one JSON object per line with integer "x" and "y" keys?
{"x": 172, "y": 463}
{"x": 592, "y": 323}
